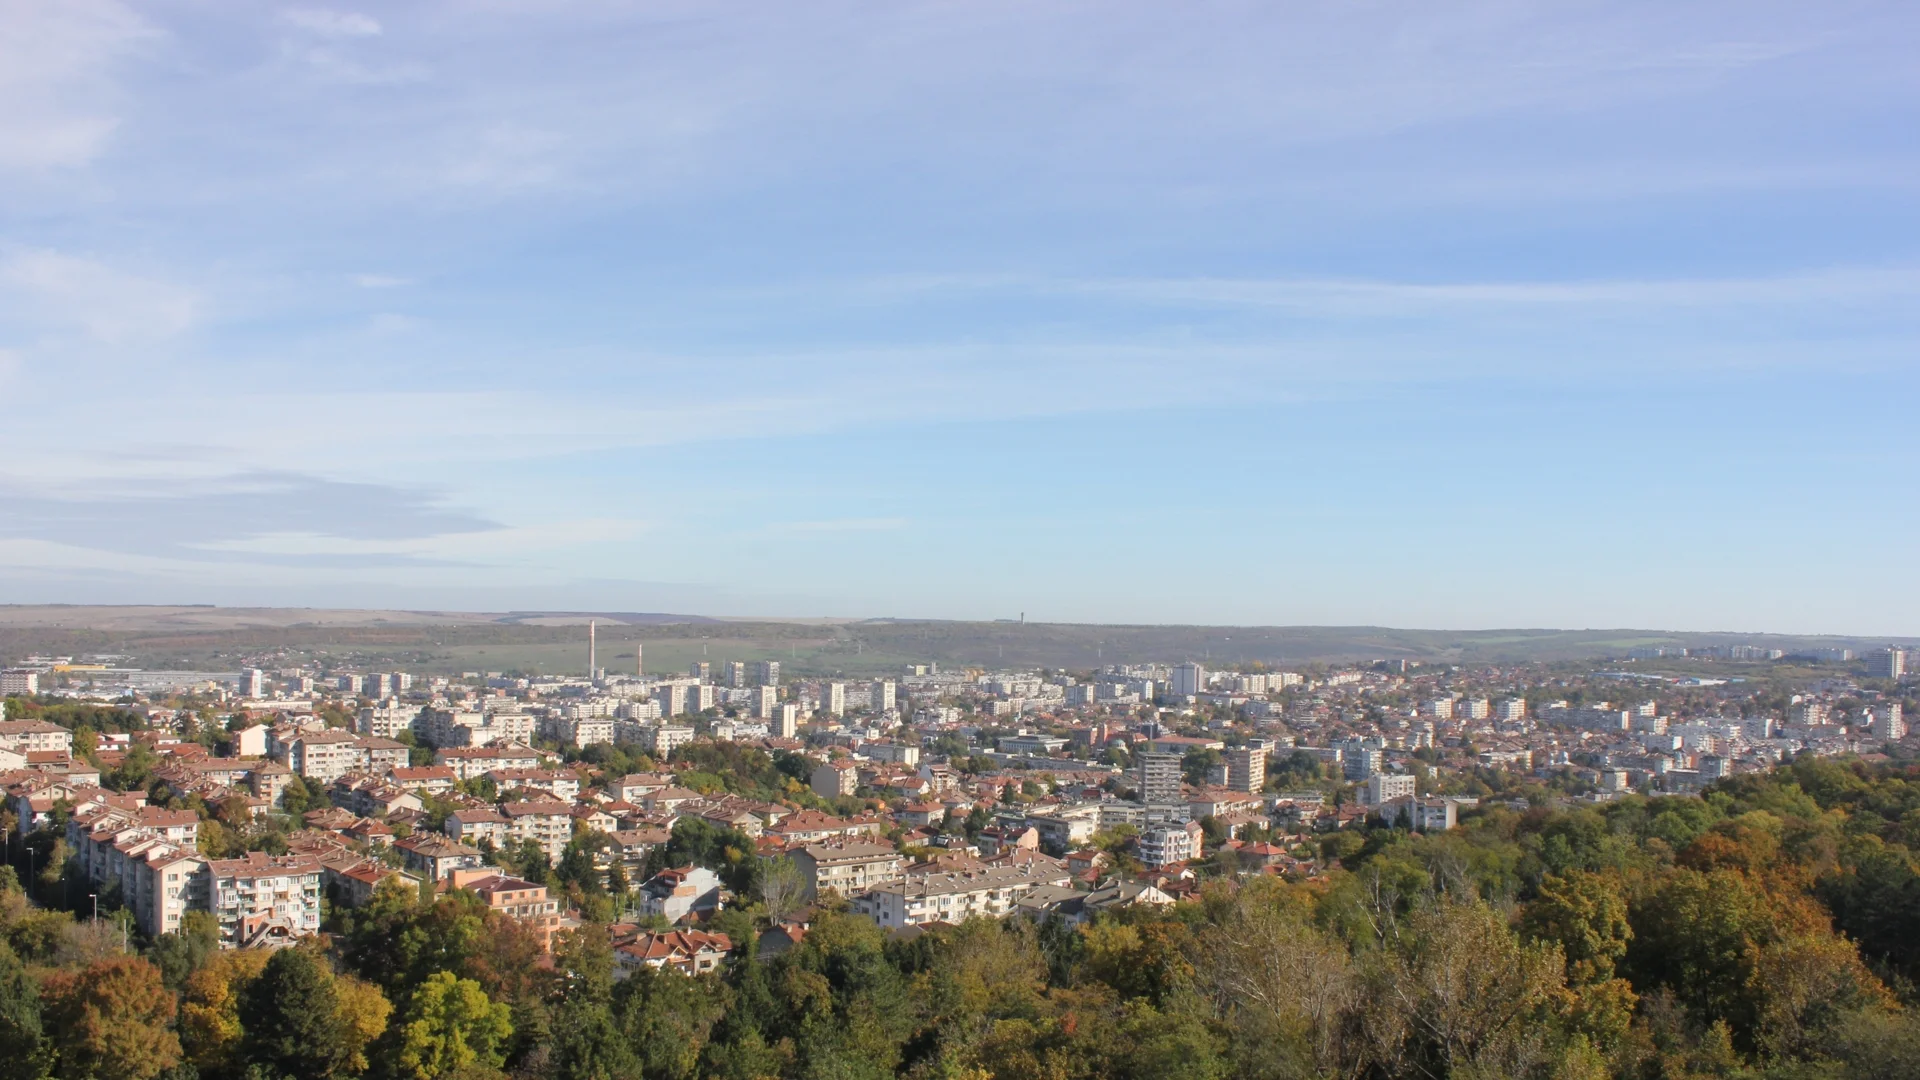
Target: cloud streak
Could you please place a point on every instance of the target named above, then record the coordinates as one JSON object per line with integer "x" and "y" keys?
{"x": 63, "y": 292}
{"x": 364, "y": 523}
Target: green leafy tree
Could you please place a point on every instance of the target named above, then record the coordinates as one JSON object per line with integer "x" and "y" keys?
{"x": 1586, "y": 915}
{"x": 182, "y": 952}
{"x": 451, "y": 1026}
{"x": 22, "y": 1053}
{"x": 291, "y": 1016}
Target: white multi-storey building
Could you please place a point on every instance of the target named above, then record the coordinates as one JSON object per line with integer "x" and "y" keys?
{"x": 1247, "y": 766}
{"x": 548, "y": 823}
{"x": 265, "y": 901}
{"x": 34, "y": 737}
{"x": 848, "y": 868}
{"x": 1188, "y": 680}
{"x": 322, "y": 756}
{"x": 955, "y": 895}
{"x": 387, "y": 719}
{"x": 1166, "y": 845}
{"x": 1385, "y": 787}
{"x": 1159, "y": 778}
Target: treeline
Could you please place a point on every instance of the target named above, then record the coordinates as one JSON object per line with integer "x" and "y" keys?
{"x": 1765, "y": 931}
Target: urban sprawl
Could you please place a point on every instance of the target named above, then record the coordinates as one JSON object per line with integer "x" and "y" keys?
{"x": 268, "y": 798}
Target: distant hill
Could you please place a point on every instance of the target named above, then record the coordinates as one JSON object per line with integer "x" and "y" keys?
{"x": 554, "y": 641}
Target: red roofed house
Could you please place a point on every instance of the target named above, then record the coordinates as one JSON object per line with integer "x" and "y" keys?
{"x": 690, "y": 952}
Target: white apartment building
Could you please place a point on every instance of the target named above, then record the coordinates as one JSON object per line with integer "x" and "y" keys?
{"x": 833, "y": 698}
{"x": 547, "y": 823}
{"x": 468, "y": 762}
{"x": 764, "y": 700}
{"x": 1385, "y": 787}
{"x": 1247, "y": 767}
{"x": 265, "y": 901}
{"x": 473, "y": 825}
{"x": 892, "y": 752}
{"x": 848, "y": 868}
{"x": 1475, "y": 708}
{"x": 883, "y": 696}
{"x": 322, "y": 756}
{"x": 562, "y": 784}
{"x": 671, "y": 697}
{"x": 34, "y": 736}
{"x": 955, "y": 895}
{"x": 1510, "y": 710}
{"x": 1159, "y": 778}
{"x": 834, "y": 779}
{"x": 387, "y": 719}
{"x": 17, "y": 682}
{"x": 579, "y": 732}
{"x": 161, "y": 883}
{"x": 1166, "y": 845}
{"x": 1188, "y": 680}
{"x": 662, "y": 740}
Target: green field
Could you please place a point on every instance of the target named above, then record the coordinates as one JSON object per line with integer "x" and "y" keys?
{"x": 440, "y": 642}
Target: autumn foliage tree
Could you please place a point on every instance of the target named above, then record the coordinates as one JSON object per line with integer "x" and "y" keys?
{"x": 112, "y": 1020}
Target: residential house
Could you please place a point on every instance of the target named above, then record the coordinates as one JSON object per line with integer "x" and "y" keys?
{"x": 436, "y": 857}
{"x": 479, "y": 824}
{"x": 523, "y": 901}
{"x": 679, "y": 892}
{"x": 690, "y": 952}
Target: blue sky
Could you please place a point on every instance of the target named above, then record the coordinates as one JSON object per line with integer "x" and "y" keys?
{"x": 1464, "y": 315}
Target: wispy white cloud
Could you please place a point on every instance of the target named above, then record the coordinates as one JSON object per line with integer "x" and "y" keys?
{"x": 466, "y": 545}
{"x": 60, "y": 291}
{"x": 839, "y": 525}
{"x": 1355, "y": 297}
{"x": 59, "y": 98}
{"x": 333, "y": 24}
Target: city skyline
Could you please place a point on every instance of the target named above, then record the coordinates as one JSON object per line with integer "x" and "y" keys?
{"x": 1507, "y": 315}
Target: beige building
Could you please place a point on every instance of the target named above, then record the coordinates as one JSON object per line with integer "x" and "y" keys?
{"x": 847, "y": 869}
{"x": 322, "y": 756}
{"x": 545, "y": 822}
{"x": 34, "y": 736}
{"x": 522, "y": 901}
{"x": 835, "y": 778}
{"x": 954, "y": 896}
{"x": 264, "y": 901}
